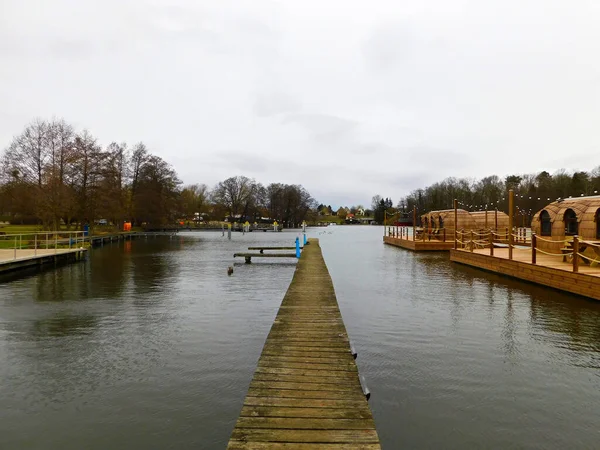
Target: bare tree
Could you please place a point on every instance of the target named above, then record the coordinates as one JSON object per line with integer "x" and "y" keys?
{"x": 235, "y": 193}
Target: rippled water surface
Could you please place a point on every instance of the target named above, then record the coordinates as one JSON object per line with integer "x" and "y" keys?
{"x": 150, "y": 345}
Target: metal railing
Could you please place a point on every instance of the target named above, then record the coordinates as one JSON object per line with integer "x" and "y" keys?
{"x": 21, "y": 244}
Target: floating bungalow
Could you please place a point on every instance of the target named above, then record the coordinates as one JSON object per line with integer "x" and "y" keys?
{"x": 563, "y": 219}
{"x": 564, "y": 253}
{"x": 438, "y": 229}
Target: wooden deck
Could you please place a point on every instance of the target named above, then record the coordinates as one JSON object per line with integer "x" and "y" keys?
{"x": 549, "y": 271}
{"x": 419, "y": 246}
{"x": 262, "y": 249}
{"x": 28, "y": 258}
{"x": 306, "y": 392}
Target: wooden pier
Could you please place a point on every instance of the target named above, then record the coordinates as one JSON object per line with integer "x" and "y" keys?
{"x": 262, "y": 249}
{"x": 420, "y": 245}
{"x": 12, "y": 260}
{"x": 549, "y": 271}
{"x": 306, "y": 392}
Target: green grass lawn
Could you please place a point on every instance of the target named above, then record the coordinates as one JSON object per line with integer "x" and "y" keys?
{"x": 330, "y": 219}
{"x": 17, "y": 229}
{"x": 22, "y": 229}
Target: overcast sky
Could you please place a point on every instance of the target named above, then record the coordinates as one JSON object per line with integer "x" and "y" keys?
{"x": 348, "y": 98}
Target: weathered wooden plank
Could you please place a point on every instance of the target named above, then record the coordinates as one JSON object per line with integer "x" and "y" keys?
{"x": 307, "y": 372}
{"x": 344, "y": 404}
{"x": 321, "y": 334}
{"x": 303, "y": 379}
{"x": 325, "y": 413}
{"x": 324, "y": 341}
{"x": 259, "y": 384}
{"x": 312, "y": 358}
{"x": 286, "y": 393}
{"x": 312, "y": 366}
{"x": 305, "y": 423}
{"x": 242, "y": 445}
{"x": 291, "y": 348}
{"x": 307, "y": 436}
{"x": 302, "y": 354}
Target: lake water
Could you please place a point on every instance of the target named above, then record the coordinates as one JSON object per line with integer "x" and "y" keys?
{"x": 150, "y": 345}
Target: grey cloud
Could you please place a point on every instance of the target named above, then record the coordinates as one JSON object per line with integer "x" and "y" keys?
{"x": 273, "y": 103}
{"x": 388, "y": 46}
{"x": 323, "y": 127}
{"x": 244, "y": 162}
{"x": 438, "y": 157}
{"x": 73, "y": 49}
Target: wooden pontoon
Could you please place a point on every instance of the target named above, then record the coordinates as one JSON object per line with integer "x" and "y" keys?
{"x": 438, "y": 229}
{"x": 559, "y": 256}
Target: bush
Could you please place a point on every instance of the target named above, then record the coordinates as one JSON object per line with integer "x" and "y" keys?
{"x": 25, "y": 220}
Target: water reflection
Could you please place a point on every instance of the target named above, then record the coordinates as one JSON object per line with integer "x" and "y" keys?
{"x": 64, "y": 325}
{"x": 509, "y": 331}
{"x": 152, "y": 266}
{"x": 554, "y": 311}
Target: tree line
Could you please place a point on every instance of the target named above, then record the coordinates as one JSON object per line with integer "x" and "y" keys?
{"x": 54, "y": 175}
{"x": 532, "y": 191}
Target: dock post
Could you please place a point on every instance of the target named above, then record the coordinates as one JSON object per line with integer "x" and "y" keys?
{"x": 229, "y": 231}
{"x": 491, "y": 244}
{"x": 15, "y": 248}
{"x": 35, "y": 245}
{"x": 455, "y": 224}
{"x": 511, "y": 199}
{"x": 414, "y": 221}
{"x": 471, "y": 243}
{"x": 304, "y": 239}
{"x": 575, "y": 253}
{"x": 444, "y": 235}
{"x": 496, "y": 219}
{"x": 297, "y": 248}
{"x": 533, "y": 244}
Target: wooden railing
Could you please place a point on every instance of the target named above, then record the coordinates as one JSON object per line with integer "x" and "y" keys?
{"x": 571, "y": 248}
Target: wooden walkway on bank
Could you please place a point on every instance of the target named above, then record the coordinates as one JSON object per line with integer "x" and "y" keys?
{"x": 306, "y": 392}
{"x": 548, "y": 271}
{"x": 11, "y": 259}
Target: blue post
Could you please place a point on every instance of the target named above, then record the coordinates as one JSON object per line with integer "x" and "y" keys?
{"x": 297, "y": 248}
{"x": 86, "y": 230}
{"x": 304, "y": 239}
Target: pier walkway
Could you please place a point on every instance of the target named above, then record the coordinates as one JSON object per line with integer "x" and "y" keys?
{"x": 306, "y": 392}
{"x": 11, "y": 259}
